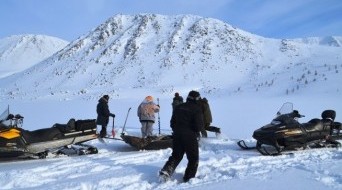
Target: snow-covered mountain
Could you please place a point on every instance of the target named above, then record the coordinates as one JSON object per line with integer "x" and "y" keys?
{"x": 20, "y": 52}
{"x": 179, "y": 53}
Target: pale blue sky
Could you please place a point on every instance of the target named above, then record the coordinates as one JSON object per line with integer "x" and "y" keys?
{"x": 69, "y": 19}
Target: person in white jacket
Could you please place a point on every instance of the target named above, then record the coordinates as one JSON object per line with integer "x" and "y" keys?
{"x": 146, "y": 114}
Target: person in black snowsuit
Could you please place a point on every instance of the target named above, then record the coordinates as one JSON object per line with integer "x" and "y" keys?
{"x": 103, "y": 114}
{"x": 186, "y": 123}
{"x": 176, "y": 100}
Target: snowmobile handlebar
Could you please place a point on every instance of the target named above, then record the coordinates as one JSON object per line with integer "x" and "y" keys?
{"x": 296, "y": 114}
{"x": 17, "y": 116}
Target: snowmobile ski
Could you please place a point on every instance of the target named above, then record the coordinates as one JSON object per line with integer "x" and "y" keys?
{"x": 242, "y": 144}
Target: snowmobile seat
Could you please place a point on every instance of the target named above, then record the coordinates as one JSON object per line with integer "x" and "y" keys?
{"x": 327, "y": 122}
{"x": 313, "y": 125}
{"x": 81, "y": 125}
{"x": 64, "y": 128}
{"x": 41, "y": 135}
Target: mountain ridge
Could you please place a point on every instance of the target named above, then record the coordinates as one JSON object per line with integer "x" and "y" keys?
{"x": 167, "y": 54}
{"x": 19, "y": 52}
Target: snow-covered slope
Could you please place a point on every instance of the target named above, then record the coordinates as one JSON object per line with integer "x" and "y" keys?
{"x": 20, "y": 52}
{"x": 164, "y": 54}
{"x": 327, "y": 41}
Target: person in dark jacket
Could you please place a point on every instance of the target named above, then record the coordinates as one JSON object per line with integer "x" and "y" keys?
{"x": 176, "y": 100}
{"x": 186, "y": 123}
{"x": 103, "y": 115}
{"x": 207, "y": 119}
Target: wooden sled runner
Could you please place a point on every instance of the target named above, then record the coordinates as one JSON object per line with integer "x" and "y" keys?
{"x": 149, "y": 143}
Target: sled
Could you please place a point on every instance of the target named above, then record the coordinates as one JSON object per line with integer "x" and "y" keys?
{"x": 16, "y": 142}
{"x": 285, "y": 133}
{"x": 149, "y": 143}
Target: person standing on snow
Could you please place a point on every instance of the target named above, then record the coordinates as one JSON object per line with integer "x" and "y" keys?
{"x": 103, "y": 114}
{"x": 146, "y": 113}
{"x": 176, "y": 100}
{"x": 186, "y": 123}
{"x": 207, "y": 119}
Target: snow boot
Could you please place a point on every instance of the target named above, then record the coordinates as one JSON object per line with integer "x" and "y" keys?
{"x": 103, "y": 132}
{"x": 164, "y": 176}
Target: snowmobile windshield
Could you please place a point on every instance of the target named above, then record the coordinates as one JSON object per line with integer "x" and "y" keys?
{"x": 285, "y": 109}
{"x": 4, "y": 115}
{"x": 284, "y": 115}
{"x": 4, "y": 118}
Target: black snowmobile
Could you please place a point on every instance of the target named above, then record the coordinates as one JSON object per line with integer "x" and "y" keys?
{"x": 16, "y": 142}
{"x": 286, "y": 133}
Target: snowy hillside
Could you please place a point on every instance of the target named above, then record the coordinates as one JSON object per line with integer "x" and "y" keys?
{"x": 20, "y": 52}
{"x": 165, "y": 54}
{"x": 328, "y": 41}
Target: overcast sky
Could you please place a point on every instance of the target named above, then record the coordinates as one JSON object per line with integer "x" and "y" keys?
{"x": 69, "y": 19}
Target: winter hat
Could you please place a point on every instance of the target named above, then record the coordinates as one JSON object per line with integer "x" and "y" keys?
{"x": 106, "y": 97}
{"x": 194, "y": 95}
{"x": 149, "y": 98}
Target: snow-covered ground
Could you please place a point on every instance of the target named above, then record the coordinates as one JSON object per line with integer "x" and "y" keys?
{"x": 223, "y": 165}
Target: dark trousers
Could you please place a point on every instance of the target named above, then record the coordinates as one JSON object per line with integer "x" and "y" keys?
{"x": 103, "y": 132}
{"x": 183, "y": 144}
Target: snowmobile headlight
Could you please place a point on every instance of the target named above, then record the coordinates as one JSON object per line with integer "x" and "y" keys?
{"x": 10, "y": 134}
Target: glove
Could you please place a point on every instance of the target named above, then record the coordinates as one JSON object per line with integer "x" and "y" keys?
{"x": 198, "y": 136}
{"x": 113, "y": 115}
